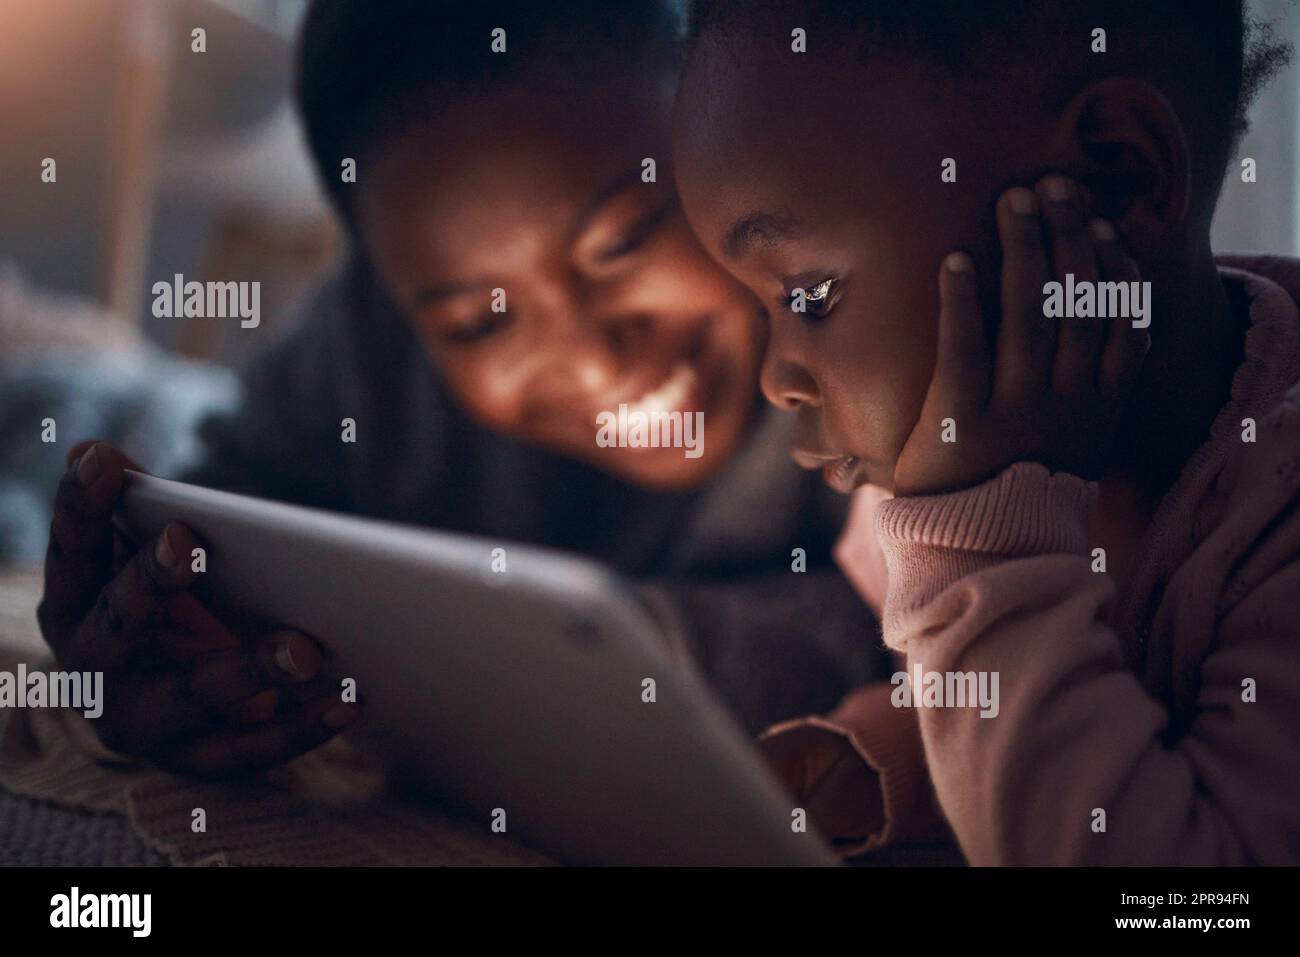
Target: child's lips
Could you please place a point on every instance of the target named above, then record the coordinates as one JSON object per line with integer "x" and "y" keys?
{"x": 842, "y": 475}
{"x": 839, "y": 471}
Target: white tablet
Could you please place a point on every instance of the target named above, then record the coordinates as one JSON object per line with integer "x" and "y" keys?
{"x": 517, "y": 679}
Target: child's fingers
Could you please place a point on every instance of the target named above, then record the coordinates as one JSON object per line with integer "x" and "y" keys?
{"x": 1078, "y": 339}
{"x": 1026, "y": 341}
{"x": 961, "y": 375}
{"x": 1068, "y": 240}
{"x": 1125, "y": 347}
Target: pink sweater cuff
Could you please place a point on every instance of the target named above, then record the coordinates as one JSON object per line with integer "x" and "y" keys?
{"x": 931, "y": 541}
{"x": 887, "y": 740}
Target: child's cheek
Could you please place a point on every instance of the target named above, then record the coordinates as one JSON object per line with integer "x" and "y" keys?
{"x": 875, "y": 380}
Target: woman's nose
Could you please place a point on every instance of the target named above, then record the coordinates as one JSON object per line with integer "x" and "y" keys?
{"x": 593, "y": 368}
{"x": 584, "y": 359}
{"x": 595, "y": 338}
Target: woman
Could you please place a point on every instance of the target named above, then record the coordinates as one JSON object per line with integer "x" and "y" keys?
{"x": 520, "y": 267}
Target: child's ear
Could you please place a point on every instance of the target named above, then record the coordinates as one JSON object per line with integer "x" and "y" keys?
{"x": 1125, "y": 143}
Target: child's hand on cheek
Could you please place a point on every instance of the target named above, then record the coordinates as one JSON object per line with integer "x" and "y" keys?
{"x": 1053, "y": 390}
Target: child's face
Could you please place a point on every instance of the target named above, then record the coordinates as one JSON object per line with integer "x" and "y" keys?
{"x": 824, "y": 174}
{"x": 609, "y": 299}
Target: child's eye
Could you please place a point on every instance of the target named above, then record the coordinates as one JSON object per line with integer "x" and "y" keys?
{"x": 818, "y": 299}
{"x": 821, "y": 293}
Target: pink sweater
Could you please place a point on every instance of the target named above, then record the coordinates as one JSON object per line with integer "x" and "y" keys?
{"x": 1156, "y": 726}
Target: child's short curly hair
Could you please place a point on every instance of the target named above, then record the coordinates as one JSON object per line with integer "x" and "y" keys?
{"x": 1207, "y": 56}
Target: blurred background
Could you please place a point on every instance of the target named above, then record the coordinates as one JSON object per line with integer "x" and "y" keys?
{"x": 168, "y": 161}
{"x": 174, "y": 161}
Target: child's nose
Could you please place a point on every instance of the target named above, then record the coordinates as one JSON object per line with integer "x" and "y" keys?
{"x": 787, "y": 384}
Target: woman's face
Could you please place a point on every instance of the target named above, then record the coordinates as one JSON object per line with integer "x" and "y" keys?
{"x": 609, "y": 300}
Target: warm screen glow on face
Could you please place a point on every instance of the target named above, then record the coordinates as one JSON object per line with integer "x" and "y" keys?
{"x": 555, "y": 282}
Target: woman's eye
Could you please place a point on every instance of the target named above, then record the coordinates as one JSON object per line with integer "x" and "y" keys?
{"x": 482, "y": 327}
{"x": 636, "y": 236}
{"x": 622, "y": 248}
{"x": 815, "y": 301}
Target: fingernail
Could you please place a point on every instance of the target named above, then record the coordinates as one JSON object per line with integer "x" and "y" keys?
{"x": 957, "y": 262}
{"x": 1059, "y": 189}
{"x": 1022, "y": 201}
{"x": 163, "y": 551}
{"x": 1102, "y": 230}
{"x": 88, "y": 466}
{"x": 284, "y": 658}
{"x": 340, "y": 715}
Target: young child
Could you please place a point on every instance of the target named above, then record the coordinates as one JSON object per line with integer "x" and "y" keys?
{"x": 483, "y": 163}
{"x": 1097, "y": 508}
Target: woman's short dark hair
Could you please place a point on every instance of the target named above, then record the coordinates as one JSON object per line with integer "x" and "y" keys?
{"x": 369, "y": 68}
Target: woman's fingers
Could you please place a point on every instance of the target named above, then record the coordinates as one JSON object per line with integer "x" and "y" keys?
{"x": 194, "y": 631}
{"x": 159, "y": 713}
{"x": 228, "y": 678}
{"x": 79, "y": 559}
{"x": 289, "y": 657}
{"x": 175, "y": 670}
{"x": 147, "y": 711}
{"x": 1026, "y": 340}
{"x": 241, "y": 685}
{"x": 131, "y": 607}
{"x": 231, "y": 752}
